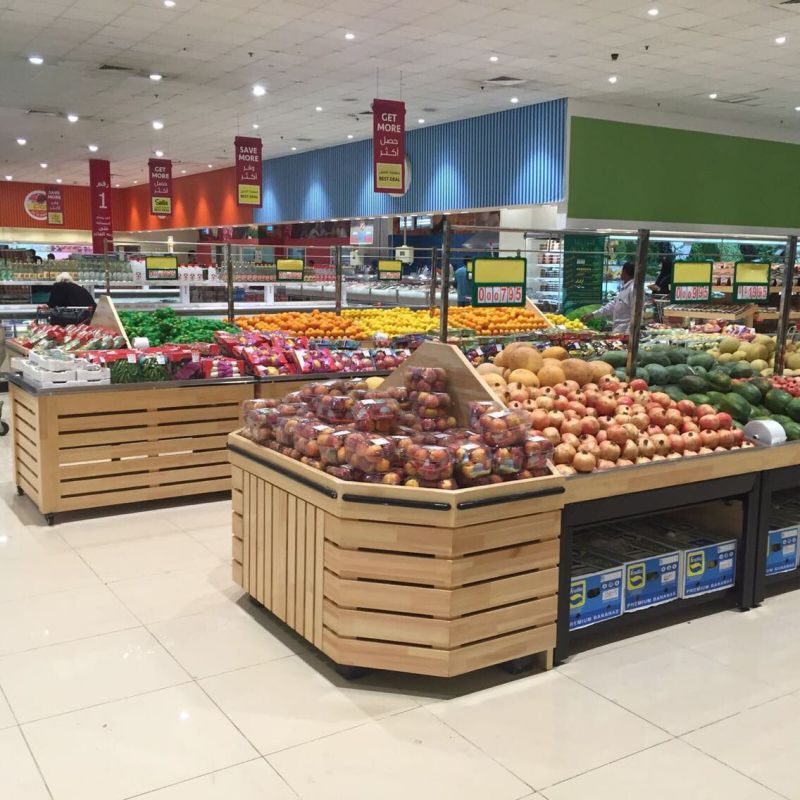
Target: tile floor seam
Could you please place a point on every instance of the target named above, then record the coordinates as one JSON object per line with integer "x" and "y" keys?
{"x": 187, "y": 780}
{"x": 734, "y": 769}
{"x": 282, "y": 777}
{"x": 105, "y": 703}
{"x": 69, "y": 641}
{"x": 244, "y": 667}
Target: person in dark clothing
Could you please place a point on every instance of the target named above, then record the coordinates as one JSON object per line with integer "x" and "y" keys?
{"x": 664, "y": 279}
{"x": 65, "y": 293}
{"x": 34, "y": 258}
{"x": 51, "y": 257}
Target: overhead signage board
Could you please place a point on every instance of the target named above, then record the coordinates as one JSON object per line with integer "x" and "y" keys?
{"x": 691, "y": 281}
{"x": 499, "y": 281}
{"x": 751, "y": 282}
{"x": 389, "y": 146}
{"x": 390, "y": 270}
{"x": 289, "y": 269}
{"x": 161, "y": 268}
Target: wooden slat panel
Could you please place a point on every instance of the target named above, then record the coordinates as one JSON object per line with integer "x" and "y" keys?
{"x": 241, "y": 505}
{"x": 237, "y": 573}
{"x": 268, "y": 532}
{"x": 236, "y": 478}
{"x": 319, "y": 578}
{"x": 508, "y": 561}
{"x": 237, "y": 526}
{"x": 506, "y": 532}
{"x": 168, "y": 447}
{"x": 387, "y": 597}
{"x": 291, "y": 549}
{"x": 504, "y": 648}
{"x": 280, "y": 502}
{"x": 258, "y": 567}
{"x": 497, "y": 621}
{"x": 106, "y": 422}
{"x": 228, "y": 411}
{"x": 107, "y": 483}
{"x": 300, "y": 569}
{"x": 192, "y": 429}
{"x": 25, "y": 429}
{"x": 255, "y": 538}
{"x": 26, "y": 415}
{"x": 502, "y": 591}
{"x": 237, "y": 500}
{"x": 237, "y": 550}
{"x": 140, "y": 464}
{"x": 311, "y": 572}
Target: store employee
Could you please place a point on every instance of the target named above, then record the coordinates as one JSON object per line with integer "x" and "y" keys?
{"x": 620, "y": 309}
{"x": 463, "y": 289}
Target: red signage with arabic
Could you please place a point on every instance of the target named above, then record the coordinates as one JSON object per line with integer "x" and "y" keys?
{"x": 160, "y": 170}
{"x": 389, "y": 146}
{"x": 100, "y": 188}
{"x": 248, "y": 171}
{"x": 55, "y": 206}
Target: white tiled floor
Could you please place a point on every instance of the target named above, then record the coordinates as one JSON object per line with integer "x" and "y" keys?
{"x": 131, "y": 666}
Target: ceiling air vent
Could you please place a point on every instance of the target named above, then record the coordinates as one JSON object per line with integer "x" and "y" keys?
{"x": 741, "y": 100}
{"x": 303, "y": 139}
{"x": 503, "y": 80}
{"x": 115, "y": 68}
{"x": 39, "y": 113}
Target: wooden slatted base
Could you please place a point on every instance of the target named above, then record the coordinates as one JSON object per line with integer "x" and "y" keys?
{"x": 93, "y": 448}
{"x": 472, "y": 588}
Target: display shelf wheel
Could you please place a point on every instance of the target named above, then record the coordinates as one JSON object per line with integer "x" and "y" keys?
{"x": 20, "y": 491}
{"x": 51, "y": 518}
{"x": 352, "y": 673}
{"x": 519, "y": 665}
{"x": 3, "y": 428}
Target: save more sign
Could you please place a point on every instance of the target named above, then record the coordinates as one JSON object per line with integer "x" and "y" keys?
{"x": 248, "y": 171}
{"x": 388, "y": 146}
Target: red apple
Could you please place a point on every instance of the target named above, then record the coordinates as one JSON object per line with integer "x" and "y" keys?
{"x": 709, "y": 422}
{"x": 691, "y": 441}
{"x": 709, "y": 438}
{"x": 687, "y": 408}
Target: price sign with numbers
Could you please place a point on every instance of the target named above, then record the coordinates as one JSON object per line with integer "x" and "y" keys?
{"x": 691, "y": 281}
{"x": 499, "y": 281}
{"x": 390, "y": 270}
{"x": 751, "y": 282}
{"x": 161, "y": 268}
{"x": 289, "y": 269}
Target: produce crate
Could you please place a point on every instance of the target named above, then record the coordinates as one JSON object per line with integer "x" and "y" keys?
{"x": 88, "y": 447}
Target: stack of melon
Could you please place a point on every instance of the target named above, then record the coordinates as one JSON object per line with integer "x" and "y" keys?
{"x": 760, "y": 353}
{"x": 521, "y": 363}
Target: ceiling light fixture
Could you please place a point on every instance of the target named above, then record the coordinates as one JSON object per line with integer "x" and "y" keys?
{"x": 36, "y": 60}
{"x": 211, "y": 166}
{"x": 349, "y": 135}
{"x": 515, "y": 99}
{"x": 183, "y": 172}
{"x": 158, "y": 125}
{"x": 73, "y": 117}
{"x": 780, "y": 40}
{"x": 93, "y": 148}
{"x": 58, "y": 180}
{"x": 156, "y": 76}
{"x": 797, "y": 108}
{"x": 293, "y": 149}
{"x": 259, "y": 90}
{"x": 613, "y": 79}
{"x": 169, "y": 3}
{"x": 653, "y": 12}
{"x": 421, "y": 121}
{"x": 318, "y": 108}
{"x": 9, "y": 177}
{"x": 494, "y": 59}
{"x": 117, "y": 185}
{"x": 136, "y": 181}
{"x": 43, "y": 165}
{"x": 713, "y": 96}
{"x": 159, "y": 153}
{"x": 256, "y": 126}
{"x": 349, "y": 36}
{"x": 22, "y": 141}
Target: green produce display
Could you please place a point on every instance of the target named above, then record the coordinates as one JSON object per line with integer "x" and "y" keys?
{"x": 165, "y": 326}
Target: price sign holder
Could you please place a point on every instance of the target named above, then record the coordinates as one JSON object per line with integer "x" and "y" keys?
{"x": 390, "y": 270}
{"x": 161, "y": 268}
{"x": 691, "y": 281}
{"x": 499, "y": 281}
{"x": 289, "y": 269}
{"x": 751, "y": 282}
{"x": 468, "y": 263}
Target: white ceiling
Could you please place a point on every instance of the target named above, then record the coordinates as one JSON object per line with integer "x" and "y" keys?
{"x": 434, "y": 54}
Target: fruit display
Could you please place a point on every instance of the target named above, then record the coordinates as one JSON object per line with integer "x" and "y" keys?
{"x": 70, "y": 338}
{"x": 165, "y": 326}
{"x": 357, "y": 433}
{"x": 391, "y": 321}
{"x": 313, "y": 324}
{"x": 497, "y": 320}
{"x": 560, "y": 321}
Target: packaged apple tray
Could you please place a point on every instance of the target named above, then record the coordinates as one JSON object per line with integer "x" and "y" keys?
{"x": 400, "y": 436}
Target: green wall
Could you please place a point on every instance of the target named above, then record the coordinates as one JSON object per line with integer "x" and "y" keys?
{"x": 621, "y": 171}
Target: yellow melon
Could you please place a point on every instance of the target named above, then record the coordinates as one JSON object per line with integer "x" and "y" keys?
{"x": 489, "y": 369}
{"x": 525, "y": 358}
{"x": 576, "y": 369}
{"x": 525, "y": 377}
{"x": 550, "y": 375}
{"x": 599, "y": 369}
{"x": 496, "y": 382}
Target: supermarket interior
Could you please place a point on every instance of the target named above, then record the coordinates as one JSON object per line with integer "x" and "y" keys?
{"x": 423, "y": 421}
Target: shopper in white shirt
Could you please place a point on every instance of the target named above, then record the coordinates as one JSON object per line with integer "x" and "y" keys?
{"x": 620, "y": 309}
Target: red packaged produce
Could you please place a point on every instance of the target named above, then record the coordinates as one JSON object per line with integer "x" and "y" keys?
{"x": 477, "y": 408}
{"x": 285, "y": 430}
{"x": 439, "y": 424}
{"x": 399, "y": 393}
{"x": 311, "y": 462}
{"x": 335, "y": 408}
{"x": 258, "y": 433}
{"x": 504, "y": 428}
{"x": 538, "y": 451}
{"x": 313, "y": 391}
{"x": 508, "y": 460}
{"x": 393, "y": 478}
{"x": 430, "y": 405}
{"x": 370, "y": 453}
{"x": 473, "y": 461}
{"x": 429, "y": 462}
{"x": 446, "y": 483}
{"x": 376, "y": 416}
{"x": 307, "y": 435}
{"x": 404, "y": 439}
{"x": 426, "y": 379}
{"x": 345, "y": 472}
{"x": 331, "y": 446}
{"x": 284, "y": 409}
{"x": 251, "y": 405}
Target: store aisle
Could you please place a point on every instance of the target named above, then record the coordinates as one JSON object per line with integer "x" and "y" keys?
{"x": 131, "y": 666}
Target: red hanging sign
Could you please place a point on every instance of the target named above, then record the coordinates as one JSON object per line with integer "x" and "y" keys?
{"x": 55, "y": 206}
{"x": 160, "y": 170}
{"x": 248, "y": 171}
{"x": 100, "y": 188}
{"x": 389, "y": 146}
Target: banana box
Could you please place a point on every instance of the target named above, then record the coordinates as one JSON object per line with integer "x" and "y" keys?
{"x": 708, "y": 560}
{"x": 596, "y": 589}
{"x": 782, "y": 540}
{"x": 651, "y": 571}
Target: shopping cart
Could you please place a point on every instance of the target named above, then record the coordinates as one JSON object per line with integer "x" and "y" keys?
{"x": 3, "y": 425}
{"x": 660, "y": 302}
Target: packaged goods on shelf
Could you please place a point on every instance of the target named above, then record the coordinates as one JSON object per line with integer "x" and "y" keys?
{"x": 56, "y": 369}
{"x": 70, "y": 338}
{"x": 597, "y": 589}
{"x": 782, "y": 538}
{"x": 651, "y": 570}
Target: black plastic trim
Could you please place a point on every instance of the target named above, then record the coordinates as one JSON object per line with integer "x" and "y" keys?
{"x": 509, "y": 498}
{"x": 384, "y": 501}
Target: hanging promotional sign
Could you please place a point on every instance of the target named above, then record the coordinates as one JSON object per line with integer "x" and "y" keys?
{"x": 160, "y": 170}
{"x": 161, "y": 268}
{"x": 35, "y": 205}
{"x": 100, "y": 188}
{"x": 389, "y": 146}
{"x": 248, "y": 171}
{"x": 499, "y": 281}
{"x": 289, "y": 269}
{"x": 390, "y": 269}
{"x": 751, "y": 282}
{"x": 55, "y": 206}
{"x": 691, "y": 281}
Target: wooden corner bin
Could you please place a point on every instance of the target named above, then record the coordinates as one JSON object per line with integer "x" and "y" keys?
{"x": 388, "y": 577}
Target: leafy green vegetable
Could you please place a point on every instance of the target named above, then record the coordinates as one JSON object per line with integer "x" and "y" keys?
{"x": 165, "y": 326}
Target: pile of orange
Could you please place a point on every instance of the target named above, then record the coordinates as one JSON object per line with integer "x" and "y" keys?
{"x": 314, "y": 324}
{"x": 496, "y": 320}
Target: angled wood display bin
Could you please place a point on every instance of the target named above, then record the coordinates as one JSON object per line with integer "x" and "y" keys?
{"x": 415, "y": 580}
{"x": 90, "y": 447}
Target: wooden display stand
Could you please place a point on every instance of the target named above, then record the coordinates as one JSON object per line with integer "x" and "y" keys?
{"x": 745, "y": 314}
{"x": 90, "y": 447}
{"x": 416, "y": 580}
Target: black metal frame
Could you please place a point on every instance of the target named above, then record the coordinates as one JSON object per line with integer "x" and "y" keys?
{"x": 746, "y": 488}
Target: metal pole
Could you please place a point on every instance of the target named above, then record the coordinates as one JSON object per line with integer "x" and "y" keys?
{"x": 105, "y": 267}
{"x": 638, "y": 301}
{"x": 230, "y": 283}
{"x": 432, "y": 287}
{"x": 444, "y": 301}
{"x": 786, "y": 305}
{"x": 337, "y": 255}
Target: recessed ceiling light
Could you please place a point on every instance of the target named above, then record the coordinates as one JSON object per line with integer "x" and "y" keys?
{"x": 117, "y": 185}
{"x": 169, "y": 3}
{"x": 797, "y": 108}
{"x": 183, "y": 172}
{"x": 421, "y": 121}
{"x": 515, "y": 99}
{"x": 318, "y": 108}
{"x": 136, "y": 181}
{"x": 653, "y": 12}
{"x": 22, "y": 141}
{"x": 93, "y": 148}
{"x": 259, "y": 90}
{"x": 43, "y": 165}
{"x": 159, "y": 153}
{"x": 613, "y": 79}
{"x": 37, "y": 60}
{"x": 211, "y": 166}
{"x": 9, "y": 177}
{"x": 350, "y": 36}
{"x": 780, "y": 40}
{"x": 349, "y": 135}
{"x": 58, "y": 180}
{"x": 157, "y": 125}
{"x": 256, "y": 126}
{"x": 494, "y": 59}
{"x": 73, "y": 117}
{"x": 713, "y": 96}
{"x": 293, "y": 149}
{"x": 156, "y": 76}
